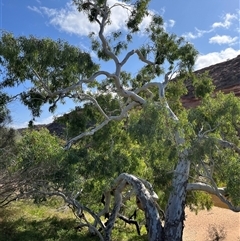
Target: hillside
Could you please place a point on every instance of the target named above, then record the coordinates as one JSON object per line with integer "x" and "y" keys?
{"x": 226, "y": 78}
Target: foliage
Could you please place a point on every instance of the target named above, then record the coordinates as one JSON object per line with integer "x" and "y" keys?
{"x": 32, "y": 146}
{"x": 216, "y": 120}
{"x": 8, "y": 136}
{"x": 126, "y": 123}
{"x": 150, "y": 129}
{"x": 48, "y": 65}
{"x": 197, "y": 201}
{"x": 7, "y": 147}
{"x": 174, "y": 91}
{"x": 40, "y": 160}
{"x": 202, "y": 85}
{"x": 98, "y": 160}
{"x": 5, "y": 117}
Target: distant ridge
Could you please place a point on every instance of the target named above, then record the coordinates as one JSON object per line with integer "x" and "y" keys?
{"x": 225, "y": 76}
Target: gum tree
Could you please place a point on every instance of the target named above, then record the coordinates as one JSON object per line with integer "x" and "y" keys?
{"x": 57, "y": 71}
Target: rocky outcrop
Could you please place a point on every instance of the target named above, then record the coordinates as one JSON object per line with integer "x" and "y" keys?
{"x": 226, "y": 78}
{"x": 56, "y": 128}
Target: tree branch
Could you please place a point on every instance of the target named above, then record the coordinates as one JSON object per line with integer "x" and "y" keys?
{"x": 227, "y": 144}
{"x": 80, "y": 208}
{"x": 45, "y": 87}
{"x": 88, "y": 97}
{"x": 128, "y": 55}
{"x": 155, "y": 230}
{"x": 219, "y": 192}
{"x": 91, "y": 131}
{"x": 200, "y": 186}
{"x": 117, "y": 205}
{"x": 143, "y": 59}
{"x": 80, "y": 82}
{"x": 105, "y": 45}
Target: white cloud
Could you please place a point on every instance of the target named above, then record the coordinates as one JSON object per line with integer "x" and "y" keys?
{"x": 191, "y": 35}
{"x": 35, "y": 9}
{"x": 145, "y": 23}
{"x": 162, "y": 11}
{"x": 227, "y": 21}
{"x": 44, "y": 121}
{"x": 19, "y": 125}
{"x": 215, "y": 57}
{"x": 68, "y": 19}
{"x": 168, "y": 24}
{"x": 171, "y": 23}
{"x": 223, "y": 39}
{"x": 197, "y": 34}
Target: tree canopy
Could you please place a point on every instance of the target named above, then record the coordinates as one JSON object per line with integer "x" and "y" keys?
{"x": 128, "y": 128}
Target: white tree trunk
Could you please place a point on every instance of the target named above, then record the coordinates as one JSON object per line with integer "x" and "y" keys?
{"x": 175, "y": 212}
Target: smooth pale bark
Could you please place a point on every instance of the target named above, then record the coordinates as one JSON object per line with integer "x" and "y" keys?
{"x": 199, "y": 186}
{"x": 219, "y": 192}
{"x": 153, "y": 221}
{"x": 175, "y": 212}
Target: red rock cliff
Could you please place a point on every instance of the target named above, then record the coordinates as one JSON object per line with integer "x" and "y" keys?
{"x": 225, "y": 75}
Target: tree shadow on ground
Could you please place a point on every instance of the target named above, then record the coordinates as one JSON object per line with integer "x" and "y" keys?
{"x": 48, "y": 229}
{"x": 14, "y": 227}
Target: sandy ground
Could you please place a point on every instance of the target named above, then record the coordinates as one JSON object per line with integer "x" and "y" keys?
{"x": 197, "y": 226}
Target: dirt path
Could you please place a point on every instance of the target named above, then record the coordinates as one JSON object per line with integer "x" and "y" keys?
{"x": 196, "y": 226}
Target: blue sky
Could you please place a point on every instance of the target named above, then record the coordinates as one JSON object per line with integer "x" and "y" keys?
{"x": 211, "y": 25}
